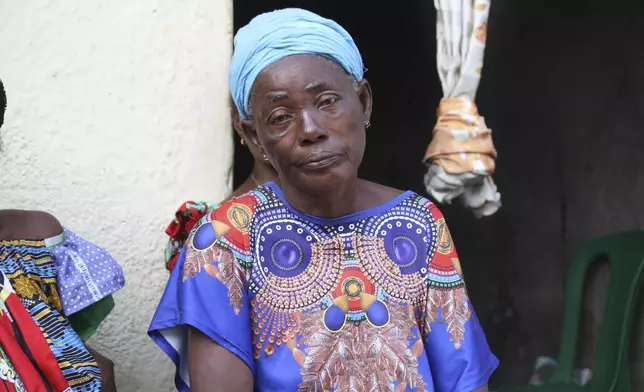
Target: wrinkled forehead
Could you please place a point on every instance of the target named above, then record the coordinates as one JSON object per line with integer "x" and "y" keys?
{"x": 302, "y": 72}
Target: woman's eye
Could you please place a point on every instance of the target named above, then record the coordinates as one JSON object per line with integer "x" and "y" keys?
{"x": 328, "y": 101}
{"x": 279, "y": 119}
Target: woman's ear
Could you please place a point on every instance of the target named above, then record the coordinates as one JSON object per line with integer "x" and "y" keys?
{"x": 249, "y": 133}
{"x": 366, "y": 98}
{"x": 246, "y": 131}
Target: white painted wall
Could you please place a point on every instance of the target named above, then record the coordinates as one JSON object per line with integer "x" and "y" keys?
{"x": 118, "y": 112}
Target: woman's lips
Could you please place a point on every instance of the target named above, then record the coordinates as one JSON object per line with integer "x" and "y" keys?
{"x": 320, "y": 161}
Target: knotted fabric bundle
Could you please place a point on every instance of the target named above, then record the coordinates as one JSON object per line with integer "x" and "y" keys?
{"x": 460, "y": 157}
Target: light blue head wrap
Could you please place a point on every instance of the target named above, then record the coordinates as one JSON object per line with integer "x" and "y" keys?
{"x": 274, "y": 35}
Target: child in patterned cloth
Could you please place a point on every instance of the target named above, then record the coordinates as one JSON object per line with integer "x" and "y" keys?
{"x": 55, "y": 290}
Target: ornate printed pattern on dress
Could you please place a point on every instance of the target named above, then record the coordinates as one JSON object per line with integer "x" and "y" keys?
{"x": 447, "y": 299}
{"x": 219, "y": 245}
{"x": 344, "y": 298}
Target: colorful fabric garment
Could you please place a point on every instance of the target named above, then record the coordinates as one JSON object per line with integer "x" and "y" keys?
{"x": 9, "y": 378}
{"x": 59, "y": 277}
{"x": 461, "y": 155}
{"x": 371, "y": 300}
{"x": 26, "y": 347}
{"x": 24, "y": 368}
{"x": 87, "y": 321}
{"x": 11, "y": 352}
{"x": 184, "y": 221}
{"x": 85, "y": 272}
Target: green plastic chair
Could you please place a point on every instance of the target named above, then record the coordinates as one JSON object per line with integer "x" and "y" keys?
{"x": 611, "y": 373}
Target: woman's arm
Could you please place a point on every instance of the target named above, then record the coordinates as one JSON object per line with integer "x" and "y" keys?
{"x": 481, "y": 389}
{"x": 212, "y": 368}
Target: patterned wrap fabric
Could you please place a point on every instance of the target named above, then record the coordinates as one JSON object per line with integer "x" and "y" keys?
{"x": 9, "y": 377}
{"x": 373, "y": 300}
{"x": 26, "y": 360}
{"x": 461, "y": 156}
{"x": 86, "y": 273}
{"x": 57, "y": 278}
{"x": 178, "y": 230}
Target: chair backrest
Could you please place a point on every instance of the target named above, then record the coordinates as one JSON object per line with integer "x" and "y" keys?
{"x": 625, "y": 255}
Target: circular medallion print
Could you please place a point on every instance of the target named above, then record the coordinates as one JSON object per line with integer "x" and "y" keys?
{"x": 394, "y": 251}
{"x": 204, "y": 237}
{"x": 286, "y": 254}
{"x": 240, "y": 216}
{"x": 404, "y": 250}
{"x": 295, "y": 264}
{"x": 445, "y": 245}
{"x": 403, "y": 241}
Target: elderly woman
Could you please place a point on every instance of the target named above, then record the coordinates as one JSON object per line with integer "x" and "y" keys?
{"x": 319, "y": 281}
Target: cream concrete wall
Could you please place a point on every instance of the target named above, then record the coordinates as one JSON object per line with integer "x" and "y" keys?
{"x": 117, "y": 113}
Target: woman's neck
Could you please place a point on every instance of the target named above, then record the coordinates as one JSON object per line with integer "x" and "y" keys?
{"x": 262, "y": 173}
{"x": 342, "y": 200}
{"x": 352, "y": 196}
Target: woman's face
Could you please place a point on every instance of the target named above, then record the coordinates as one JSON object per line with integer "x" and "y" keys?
{"x": 308, "y": 116}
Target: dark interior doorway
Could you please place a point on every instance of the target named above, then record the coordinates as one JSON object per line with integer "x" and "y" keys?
{"x": 562, "y": 88}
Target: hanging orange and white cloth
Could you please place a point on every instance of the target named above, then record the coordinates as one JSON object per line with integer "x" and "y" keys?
{"x": 461, "y": 156}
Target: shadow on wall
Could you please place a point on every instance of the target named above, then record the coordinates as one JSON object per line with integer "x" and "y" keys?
{"x": 561, "y": 89}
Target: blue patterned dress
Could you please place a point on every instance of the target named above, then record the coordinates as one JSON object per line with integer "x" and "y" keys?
{"x": 373, "y": 300}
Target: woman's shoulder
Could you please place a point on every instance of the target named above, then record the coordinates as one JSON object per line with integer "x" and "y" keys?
{"x": 28, "y": 225}
{"x": 237, "y": 213}
{"x": 382, "y": 193}
{"x": 405, "y": 202}
{"x": 378, "y": 194}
